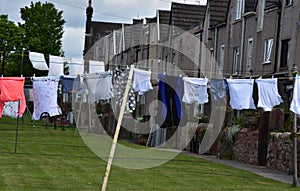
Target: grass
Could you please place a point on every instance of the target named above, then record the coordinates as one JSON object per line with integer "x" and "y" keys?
{"x": 49, "y": 159}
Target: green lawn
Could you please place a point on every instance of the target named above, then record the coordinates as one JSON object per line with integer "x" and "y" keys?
{"x": 49, "y": 159}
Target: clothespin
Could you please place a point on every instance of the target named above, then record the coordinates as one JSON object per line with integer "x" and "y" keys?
{"x": 260, "y": 77}
{"x": 272, "y": 77}
{"x": 230, "y": 77}
{"x": 164, "y": 73}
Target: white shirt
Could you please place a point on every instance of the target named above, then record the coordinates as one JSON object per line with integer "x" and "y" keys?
{"x": 241, "y": 91}
{"x": 141, "y": 81}
{"x": 268, "y": 95}
{"x": 195, "y": 90}
{"x": 295, "y": 105}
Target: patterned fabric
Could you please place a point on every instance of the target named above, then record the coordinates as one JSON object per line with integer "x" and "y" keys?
{"x": 12, "y": 89}
{"x": 45, "y": 96}
{"x": 11, "y": 109}
{"x": 121, "y": 78}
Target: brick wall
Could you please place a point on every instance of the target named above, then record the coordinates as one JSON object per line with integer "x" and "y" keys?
{"x": 280, "y": 152}
{"x": 246, "y": 146}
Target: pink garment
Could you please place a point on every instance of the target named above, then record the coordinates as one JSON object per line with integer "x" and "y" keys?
{"x": 12, "y": 89}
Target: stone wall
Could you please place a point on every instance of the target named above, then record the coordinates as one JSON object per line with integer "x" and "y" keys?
{"x": 246, "y": 146}
{"x": 280, "y": 152}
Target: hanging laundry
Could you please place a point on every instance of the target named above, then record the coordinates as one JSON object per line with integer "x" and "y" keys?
{"x": 195, "y": 90}
{"x": 121, "y": 79}
{"x": 12, "y": 89}
{"x": 131, "y": 100}
{"x": 56, "y": 66}
{"x": 141, "y": 81}
{"x": 28, "y": 94}
{"x": 91, "y": 81}
{"x": 170, "y": 94}
{"x": 268, "y": 95}
{"x": 70, "y": 84}
{"x": 45, "y": 96}
{"x": 96, "y": 66}
{"x": 11, "y": 109}
{"x": 76, "y": 67}
{"x": 217, "y": 88}
{"x": 241, "y": 91}
{"x": 38, "y": 61}
{"x": 104, "y": 87}
{"x": 295, "y": 104}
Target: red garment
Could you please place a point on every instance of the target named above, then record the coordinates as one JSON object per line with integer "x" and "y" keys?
{"x": 12, "y": 89}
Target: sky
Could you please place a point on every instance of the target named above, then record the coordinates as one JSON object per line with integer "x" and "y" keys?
{"x": 122, "y": 11}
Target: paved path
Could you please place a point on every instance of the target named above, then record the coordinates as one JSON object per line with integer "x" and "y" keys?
{"x": 260, "y": 170}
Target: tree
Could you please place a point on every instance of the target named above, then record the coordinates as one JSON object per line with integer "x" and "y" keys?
{"x": 11, "y": 37}
{"x": 43, "y": 26}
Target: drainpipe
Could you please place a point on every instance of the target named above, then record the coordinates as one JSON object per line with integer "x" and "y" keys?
{"x": 278, "y": 27}
{"x": 242, "y": 39}
{"x": 215, "y": 50}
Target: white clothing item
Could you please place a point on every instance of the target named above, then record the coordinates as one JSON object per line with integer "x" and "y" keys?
{"x": 38, "y": 61}
{"x": 241, "y": 91}
{"x": 76, "y": 67}
{"x": 195, "y": 90}
{"x": 45, "y": 96}
{"x": 295, "y": 105}
{"x": 91, "y": 81}
{"x": 141, "y": 81}
{"x": 268, "y": 95}
{"x": 104, "y": 87}
{"x": 11, "y": 109}
{"x": 56, "y": 66}
{"x": 96, "y": 66}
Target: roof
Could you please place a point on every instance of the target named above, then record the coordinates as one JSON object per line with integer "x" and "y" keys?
{"x": 218, "y": 11}
{"x": 186, "y": 16}
{"x": 101, "y": 29}
{"x": 164, "y": 16}
{"x": 164, "y": 19}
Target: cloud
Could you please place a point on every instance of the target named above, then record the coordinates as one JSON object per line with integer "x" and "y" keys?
{"x": 104, "y": 10}
{"x": 73, "y": 41}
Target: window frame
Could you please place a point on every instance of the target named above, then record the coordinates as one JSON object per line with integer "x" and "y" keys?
{"x": 222, "y": 57}
{"x": 250, "y": 53}
{"x": 289, "y": 3}
{"x": 268, "y": 47}
{"x": 238, "y": 11}
{"x": 285, "y": 53}
{"x": 236, "y": 60}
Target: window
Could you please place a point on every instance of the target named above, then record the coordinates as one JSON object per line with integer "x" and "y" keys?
{"x": 222, "y": 54}
{"x": 260, "y": 16}
{"x": 284, "y": 57}
{"x": 249, "y": 54}
{"x": 239, "y": 5}
{"x": 211, "y": 61}
{"x": 289, "y": 2}
{"x": 236, "y": 59}
{"x": 268, "y": 50}
{"x": 153, "y": 33}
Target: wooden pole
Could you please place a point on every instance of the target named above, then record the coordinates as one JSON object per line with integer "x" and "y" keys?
{"x": 115, "y": 140}
{"x": 295, "y": 151}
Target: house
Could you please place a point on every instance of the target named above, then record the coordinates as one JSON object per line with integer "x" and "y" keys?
{"x": 253, "y": 38}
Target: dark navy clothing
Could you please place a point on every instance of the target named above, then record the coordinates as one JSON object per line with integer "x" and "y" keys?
{"x": 70, "y": 84}
{"x": 170, "y": 92}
